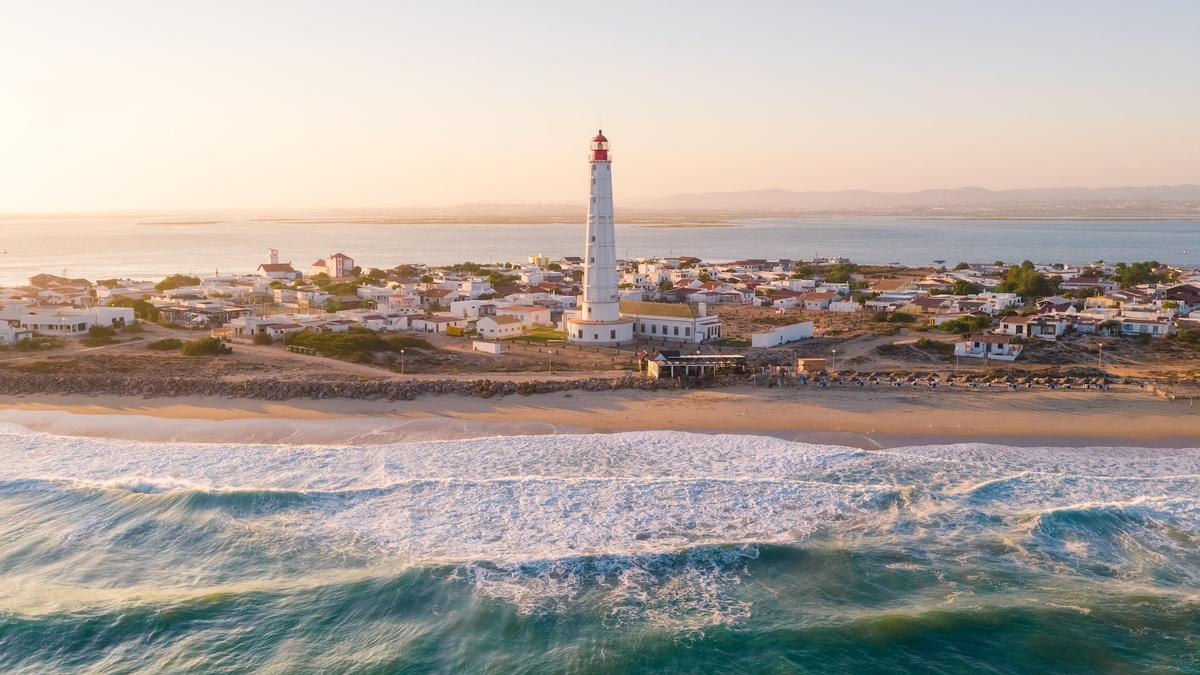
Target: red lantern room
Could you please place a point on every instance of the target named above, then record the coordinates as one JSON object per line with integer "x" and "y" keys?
{"x": 599, "y": 147}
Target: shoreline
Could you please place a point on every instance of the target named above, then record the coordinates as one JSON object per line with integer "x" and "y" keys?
{"x": 855, "y": 419}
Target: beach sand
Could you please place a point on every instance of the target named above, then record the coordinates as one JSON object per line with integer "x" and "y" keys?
{"x": 853, "y": 418}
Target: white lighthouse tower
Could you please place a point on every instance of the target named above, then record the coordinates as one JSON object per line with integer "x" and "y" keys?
{"x": 599, "y": 320}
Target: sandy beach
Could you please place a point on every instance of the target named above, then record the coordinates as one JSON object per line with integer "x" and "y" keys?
{"x": 860, "y": 419}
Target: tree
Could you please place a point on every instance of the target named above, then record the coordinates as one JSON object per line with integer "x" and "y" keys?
{"x": 1026, "y": 281}
{"x": 141, "y": 309}
{"x": 176, "y": 281}
{"x": 840, "y": 273}
{"x": 665, "y": 285}
{"x": 964, "y": 287}
{"x": 704, "y": 277}
{"x": 961, "y": 266}
{"x": 427, "y": 278}
{"x": 1139, "y": 273}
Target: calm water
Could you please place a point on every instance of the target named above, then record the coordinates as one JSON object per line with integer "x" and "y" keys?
{"x": 596, "y": 554}
{"x": 122, "y": 247}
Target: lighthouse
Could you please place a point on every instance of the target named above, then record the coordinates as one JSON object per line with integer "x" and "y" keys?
{"x": 599, "y": 319}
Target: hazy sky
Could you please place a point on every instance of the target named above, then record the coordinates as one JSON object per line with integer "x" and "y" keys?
{"x": 164, "y": 104}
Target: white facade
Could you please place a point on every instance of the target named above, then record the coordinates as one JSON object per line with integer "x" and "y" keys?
{"x": 599, "y": 320}
{"x": 11, "y": 335}
{"x": 782, "y": 335}
{"x": 75, "y": 321}
{"x": 499, "y": 327}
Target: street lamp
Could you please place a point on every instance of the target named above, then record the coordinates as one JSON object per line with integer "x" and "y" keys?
{"x": 401, "y": 361}
{"x": 833, "y": 363}
{"x": 550, "y": 357}
{"x": 1100, "y": 363}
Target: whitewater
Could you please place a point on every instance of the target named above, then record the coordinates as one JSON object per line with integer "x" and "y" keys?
{"x": 594, "y": 553}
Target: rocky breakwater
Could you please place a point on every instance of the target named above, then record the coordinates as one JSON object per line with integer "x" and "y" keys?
{"x": 14, "y": 382}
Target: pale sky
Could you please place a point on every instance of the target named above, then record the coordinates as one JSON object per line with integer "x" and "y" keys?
{"x": 242, "y": 104}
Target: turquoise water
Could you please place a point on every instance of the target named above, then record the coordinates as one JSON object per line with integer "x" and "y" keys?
{"x": 646, "y": 552}
{"x": 101, "y": 248}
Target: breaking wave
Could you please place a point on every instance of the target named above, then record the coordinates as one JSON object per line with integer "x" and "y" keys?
{"x": 575, "y": 552}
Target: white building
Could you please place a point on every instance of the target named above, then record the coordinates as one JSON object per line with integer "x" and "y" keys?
{"x": 472, "y": 309}
{"x": 672, "y": 321}
{"x": 74, "y": 321}
{"x": 335, "y": 265}
{"x": 499, "y": 327}
{"x": 527, "y": 314}
{"x": 599, "y": 320}
{"x": 998, "y": 347}
{"x": 780, "y": 335}
{"x": 11, "y": 335}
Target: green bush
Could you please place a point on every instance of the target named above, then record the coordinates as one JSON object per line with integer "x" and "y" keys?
{"x": 966, "y": 324}
{"x": 99, "y": 336}
{"x": 209, "y": 346}
{"x": 176, "y": 281}
{"x": 902, "y": 317}
{"x": 39, "y": 343}
{"x": 262, "y": 339}
{"x": 935, "y": 346}
{"x": 358, "y": 344}
{"x": 165, "y": 345}
{"x": 141, "y": 309}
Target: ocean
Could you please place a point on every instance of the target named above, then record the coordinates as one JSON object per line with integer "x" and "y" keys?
{"x": 155, "y": 246}
{"x": 633, "y": 552}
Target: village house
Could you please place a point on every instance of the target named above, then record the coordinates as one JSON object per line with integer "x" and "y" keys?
{"x": 667, "y": 321}
{"x": 278, "y": 271}
{"x": 998, "y": 347}
{"x": 779, "y": 335}
{"x": 11, "y": 335}
{"x": 817, "y": 301}
{"x": 72, "y": 321}
{"x": 527, "y": 314}
{"x": 437, "y": 323}
{"x": 499, "y": 327}
{"x": 1151, "y": 327}
{"x": 335, "y": 266}
{"x": 1046, "y": 327}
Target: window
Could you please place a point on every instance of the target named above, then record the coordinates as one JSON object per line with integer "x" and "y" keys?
{"x": 613, "y": 334}
{"x": 593, "y": 237}
{"x": 687, "y": 332}
{"x": 654, "y": 328}
{"x": 591, "y": 260}
{"x": 677, "y": 330}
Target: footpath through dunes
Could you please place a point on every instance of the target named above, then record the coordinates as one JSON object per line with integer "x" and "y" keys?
{"x": 556, "y": 552}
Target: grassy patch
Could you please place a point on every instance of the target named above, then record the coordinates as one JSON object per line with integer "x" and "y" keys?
{"x": 542, "y": 335}
{"x": 358, "y": 345}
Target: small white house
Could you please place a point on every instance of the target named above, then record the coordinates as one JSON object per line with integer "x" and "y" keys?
{"x": 75, "y": 321}
{"x": 846, "y": 306}
{"x": 528, "y": 314}
{"x": 1153, "y": 328}
{"x": 438, "y": 323}
{"x": 499, "y": 327}
{"x": 11, "y": 335}
{"x": 998, "y": 347}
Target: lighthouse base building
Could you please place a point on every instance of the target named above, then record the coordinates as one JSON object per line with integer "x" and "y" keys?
{"x": 599, "y": 320}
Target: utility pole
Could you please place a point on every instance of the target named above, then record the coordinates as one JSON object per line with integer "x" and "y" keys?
{"x": 401, "y": 361}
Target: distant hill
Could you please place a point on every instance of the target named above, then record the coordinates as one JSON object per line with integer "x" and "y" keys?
{"x": 788, "y": 200}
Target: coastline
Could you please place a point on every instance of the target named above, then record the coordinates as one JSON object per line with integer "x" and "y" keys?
{"x": 872, "y": 420}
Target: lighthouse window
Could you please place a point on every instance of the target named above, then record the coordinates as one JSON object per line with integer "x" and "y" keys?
{"x": 593, "y": 237}
{"x": 591, "y": 260}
